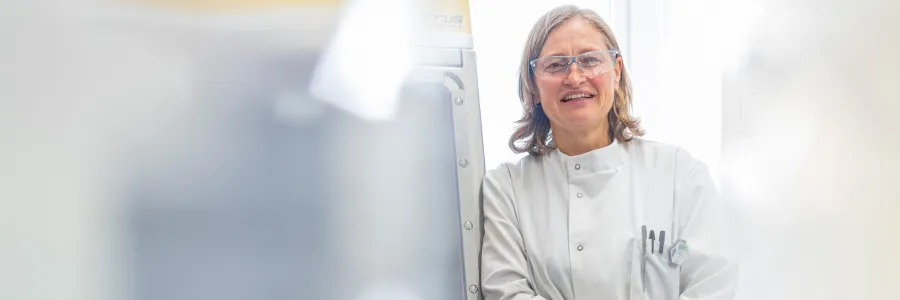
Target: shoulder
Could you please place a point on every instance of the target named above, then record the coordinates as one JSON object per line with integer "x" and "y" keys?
{"x": 658, "y": 154}
{"x": 510, "y": 171}
{"x": 500, "y": 184}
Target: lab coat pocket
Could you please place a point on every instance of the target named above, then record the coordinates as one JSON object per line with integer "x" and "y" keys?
{"x": 652, "y": 278}
{"x": 636, "y": 276}
{"x": 662, "y": 278}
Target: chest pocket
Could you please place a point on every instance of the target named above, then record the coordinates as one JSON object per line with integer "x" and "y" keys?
{"x": 653, "y": 208}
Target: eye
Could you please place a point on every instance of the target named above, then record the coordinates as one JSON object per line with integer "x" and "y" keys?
{"x": 591, "y": 60}
{"x": 555, "y": 67}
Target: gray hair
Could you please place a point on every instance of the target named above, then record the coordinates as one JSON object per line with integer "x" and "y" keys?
{"x": 532, "y": 132}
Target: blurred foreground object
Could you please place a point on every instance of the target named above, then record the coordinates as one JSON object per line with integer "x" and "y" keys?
{"x": 175, "y": 150}
{"x": 812, "y": 150}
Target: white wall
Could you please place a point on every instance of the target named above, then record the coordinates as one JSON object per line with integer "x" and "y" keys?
{"x": 677, "y": 80}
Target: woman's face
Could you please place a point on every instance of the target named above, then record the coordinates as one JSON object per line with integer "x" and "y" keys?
{"x": 559, "y": 96}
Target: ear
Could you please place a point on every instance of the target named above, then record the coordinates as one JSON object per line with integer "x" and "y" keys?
{"x": 620, "y": 65}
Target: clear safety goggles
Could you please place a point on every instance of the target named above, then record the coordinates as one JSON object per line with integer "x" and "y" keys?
{"x": 592, "y": 64}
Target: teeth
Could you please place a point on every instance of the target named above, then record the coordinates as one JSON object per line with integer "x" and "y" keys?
{"x": 576, "y": 96}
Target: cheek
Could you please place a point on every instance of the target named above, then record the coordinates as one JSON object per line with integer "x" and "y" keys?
{"x": 547, "y": 89}
{"x": 603, "y": 84}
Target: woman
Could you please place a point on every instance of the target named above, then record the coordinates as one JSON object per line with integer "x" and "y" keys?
{"x": 594, "y": 212}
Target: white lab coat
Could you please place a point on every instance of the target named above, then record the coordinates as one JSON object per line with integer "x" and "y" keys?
{"x": 569, "y": 227}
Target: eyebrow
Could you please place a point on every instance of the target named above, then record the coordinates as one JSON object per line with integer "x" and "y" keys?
{"x": 561, "y": 54}
{"x": 556, "y": 54}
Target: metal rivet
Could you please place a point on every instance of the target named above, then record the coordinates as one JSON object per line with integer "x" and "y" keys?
{"x": 577, "y": 167}
{"x": 463, "y": 162}
{"x": 580, "y": 248}
{"x": 468, "y": 225}
{"x": 473, "y": 289}
{"x": 458, "y": 100}
{"x": 579, "y": 195}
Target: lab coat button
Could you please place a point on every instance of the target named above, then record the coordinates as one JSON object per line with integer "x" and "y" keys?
{"x": 580, "y": 248}
{"x": 579, "y": 195}
{"x": 577, "y": 166}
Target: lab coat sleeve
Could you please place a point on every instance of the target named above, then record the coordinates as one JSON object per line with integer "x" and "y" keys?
{"x": 707, "y": 273}
{"x": 504, "y": 270}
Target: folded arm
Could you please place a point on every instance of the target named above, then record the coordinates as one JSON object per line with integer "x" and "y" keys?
{"x": 707, "y": 273}
{"x": 504, "y": 269}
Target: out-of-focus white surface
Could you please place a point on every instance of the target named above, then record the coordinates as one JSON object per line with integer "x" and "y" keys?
{"x": 811, "y": 145}
{"x": 164, "y": 157}
{"x": 361, "y": 71}
{"x": 70, "y": 96}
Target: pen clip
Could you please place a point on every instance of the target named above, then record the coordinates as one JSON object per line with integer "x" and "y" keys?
{"x": 662, "y": 241}
{"x": 644, "y": 257}
{"x": 644, "y": 239}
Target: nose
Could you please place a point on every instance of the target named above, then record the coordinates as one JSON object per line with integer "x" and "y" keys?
{"x": 576, "y": 74}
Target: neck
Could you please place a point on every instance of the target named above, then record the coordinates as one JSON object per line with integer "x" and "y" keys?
{"x": 580, "y": 142}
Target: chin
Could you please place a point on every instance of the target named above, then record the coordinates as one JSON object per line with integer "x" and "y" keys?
{"x": 583, "y": 121}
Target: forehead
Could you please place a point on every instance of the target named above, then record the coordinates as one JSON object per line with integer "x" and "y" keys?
{"x": 572, "y": 37}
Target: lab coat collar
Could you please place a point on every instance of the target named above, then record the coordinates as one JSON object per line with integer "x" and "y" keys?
{"x": 598, "y": 160}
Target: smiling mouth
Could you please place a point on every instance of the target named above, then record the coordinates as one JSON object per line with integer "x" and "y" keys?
{"x": 576, "y": 97}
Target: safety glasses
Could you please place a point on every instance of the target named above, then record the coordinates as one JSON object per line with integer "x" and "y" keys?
{"x": 592, "y": 64}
